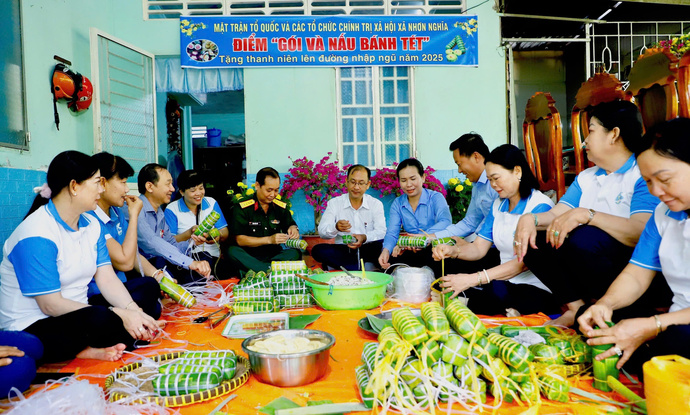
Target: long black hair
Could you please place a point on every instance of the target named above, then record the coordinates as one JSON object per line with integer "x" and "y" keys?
{"x": 65, "y": 167}
{"x": 508, "y": 156}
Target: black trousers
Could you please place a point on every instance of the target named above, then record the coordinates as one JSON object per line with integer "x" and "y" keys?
{"x": 145, "y": 291}
{"x": 584, "y": 267}
{"x": 65, "y": 336}
{"x": 337, "y": 255}
{"x": 495, "y": 298}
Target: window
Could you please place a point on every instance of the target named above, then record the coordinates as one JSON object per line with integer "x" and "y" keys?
{"x": 375, "y": 115}
{"x": 13, "y": 117}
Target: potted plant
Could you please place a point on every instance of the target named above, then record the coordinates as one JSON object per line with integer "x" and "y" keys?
{"x": 385, "y": 180}
{"x": 458, "y": 197}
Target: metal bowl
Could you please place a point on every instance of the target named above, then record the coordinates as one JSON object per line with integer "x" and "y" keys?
{"x": 293, "y": 369}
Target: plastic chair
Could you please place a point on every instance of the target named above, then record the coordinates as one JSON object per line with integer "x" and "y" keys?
{"x": 543, "y": 138}
{"x": 652, "y": 83}
{"x": 602, "y": 87}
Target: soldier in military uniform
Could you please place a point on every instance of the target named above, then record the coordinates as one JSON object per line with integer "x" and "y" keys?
{"x": 260, "y": 225}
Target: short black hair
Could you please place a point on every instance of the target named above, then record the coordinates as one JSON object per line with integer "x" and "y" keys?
{"x": 622, "y": 114}
{"x": 111, "y": 165}
{"x": 188, "y": 179}
{"x": 148, "y": 173}
{"x": 508, "y": 156}
{"x": 356, "y": 167}
{"x": 266, "y": 172}
{"x": 410, "y": 163}
{"x": 468, "y": 144}
{"x": 670, "y": 139}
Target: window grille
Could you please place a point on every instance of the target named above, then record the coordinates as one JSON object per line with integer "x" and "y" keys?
{"x": 375, "y": 115}
{"x": 173, "y": 9}
{"x": 125, "y": 116}
{"x": 615, "y": 46}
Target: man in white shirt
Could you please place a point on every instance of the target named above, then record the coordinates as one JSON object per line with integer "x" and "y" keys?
{"x": 356, "y": 221}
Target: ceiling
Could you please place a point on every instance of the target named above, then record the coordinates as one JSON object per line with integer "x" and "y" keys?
{"x": 612, "y": 11}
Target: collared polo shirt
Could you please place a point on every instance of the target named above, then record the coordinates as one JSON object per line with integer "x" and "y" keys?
{"x": 368, "y": 220}
{"x": 665, "y": 246}
{"x": 483, "y": 196}
{"x": 249, "y": 219}
{"x": 155, "y": 239}
{"x": 432, "y": 215}
{"x": 114, "y": 226}
{"x": 622, "y": 193}
{"x": 180, "y": 218}
{"x": 44, "y": 256}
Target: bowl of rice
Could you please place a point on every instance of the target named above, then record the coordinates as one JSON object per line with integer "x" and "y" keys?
{"x": 289, "y": 358}
{"x": 361, "y": 291}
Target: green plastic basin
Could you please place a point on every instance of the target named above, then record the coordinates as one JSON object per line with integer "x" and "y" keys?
{"x": 358, "y": 297}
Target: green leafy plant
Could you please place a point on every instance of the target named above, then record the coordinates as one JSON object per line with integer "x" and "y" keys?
{"x": 677, "y": 45}
{"x": 458, "y": 197}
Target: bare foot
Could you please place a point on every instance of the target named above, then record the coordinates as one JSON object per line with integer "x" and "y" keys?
{"x": 108, "y": 354}
{"x": 568, "y": 318}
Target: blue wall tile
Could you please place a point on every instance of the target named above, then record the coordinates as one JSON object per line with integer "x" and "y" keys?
{"x": 16, "y": 196}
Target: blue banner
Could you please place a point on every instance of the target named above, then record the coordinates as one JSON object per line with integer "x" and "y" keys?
{"x": 272, "y": 41}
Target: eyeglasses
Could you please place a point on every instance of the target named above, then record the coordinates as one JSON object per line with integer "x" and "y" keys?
{"x": 354, "y": 183}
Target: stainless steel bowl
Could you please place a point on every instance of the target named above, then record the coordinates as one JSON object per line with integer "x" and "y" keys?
{"x": 293, "y": 369}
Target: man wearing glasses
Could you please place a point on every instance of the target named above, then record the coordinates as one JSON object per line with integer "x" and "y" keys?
{"x": 356, "y": 221}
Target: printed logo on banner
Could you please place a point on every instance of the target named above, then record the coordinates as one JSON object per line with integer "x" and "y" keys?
{"x": 293, "y": 41}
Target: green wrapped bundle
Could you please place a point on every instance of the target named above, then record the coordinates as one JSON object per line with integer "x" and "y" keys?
{"x": 249, "y": 307}
{"x": 252, "y": 294}
{"x": 196, "y": 354}
{"x": 546, "y": 353}
{"x": 294, "y": 301}
{"x": 443, "y": 241}
{"x": 177, "y": 292}
{"x": 389, "y": 338}
{"x": 554, "y": 387}
{"x": 602, "y": 369}
{"x": 582, "y": 352}
{"x": 214, "y": 233}
{"x": 512, "y": 331}
{"x": 563, "y": 345}
{"x": 288, "y": 267}
{"x": 300, "y": 244}
{"x": 435, "y": 320}
{"x": 467, "y": 371}
{"x": 484, "y": 350}
{"x": 408, "y": 326}
{"x": 369, "y": 355}
{"x": 455, "y": 350}
{"x": 451, "y": 44}
{"x": 172, "y": 369}
{"x": 445, "y": 394}
{"x": 254, "y": 283}
{"x": 442, "y": 370}
{"x": 433, "y": 351}
{"x": 499, "y": 369}
{"x": 482, "y": 390}
{"x": 520, "y": 376}
{"x": 206, "y": 224}
{"x": 463, "y": 320}
{"x": 412, "y": 371}
{"x": 249, "y": 275}
{"x": 529, "y": 392}
{"x": 512, "y": 353}
{"x": 362, "y": 376}
{"x": 406, "y": 396}
{"x": 184, "y": 383}
{"x": 460, "y": 44}
{"x": 290, "y": 288}
{"x": 506, "y": 388}
{"x": 227, "y": 365}
{"x": 348, "y": 239}
{"x": 421, "y": 395}
{"x": 317, "y": 270}
{"x": 413, "y": 241}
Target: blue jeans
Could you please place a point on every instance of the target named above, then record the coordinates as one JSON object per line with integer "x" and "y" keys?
{"x": 22, "y": 370}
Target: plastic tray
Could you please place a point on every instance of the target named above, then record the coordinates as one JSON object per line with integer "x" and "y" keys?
{"x": 245, "y": 325}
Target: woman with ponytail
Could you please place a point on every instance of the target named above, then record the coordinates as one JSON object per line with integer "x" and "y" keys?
{"x": 48, "y": 263}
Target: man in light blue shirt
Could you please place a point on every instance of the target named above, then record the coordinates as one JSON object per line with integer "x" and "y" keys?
{"x": 469, "y": 153}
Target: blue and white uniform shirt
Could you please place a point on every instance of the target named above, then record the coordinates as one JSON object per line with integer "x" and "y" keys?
{"x": 665, "y": 246}
{"x": 499, "y": 228}
{"x": 622, "y": 193}
{"x": 45, "y": 256}
{"x": 180, "y": 218}
{"x": 115, "y": 227}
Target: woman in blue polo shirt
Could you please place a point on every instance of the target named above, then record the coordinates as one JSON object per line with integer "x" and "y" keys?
{"x": 602, "y": 214}
{"x": 185, "y": 214}
{"x": 48, "y": 263}
{"x": 664, "y": 247}
{"x": 418, "y": 211}
{"x": 508, "y": 285}
{"x": 121, "y": 239}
